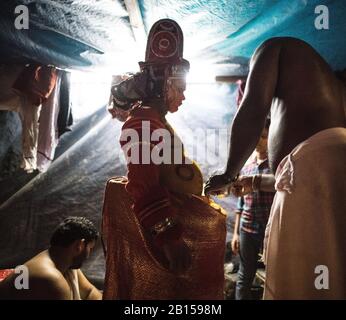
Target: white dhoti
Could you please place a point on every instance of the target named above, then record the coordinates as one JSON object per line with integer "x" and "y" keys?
{"x": 305, "y": 242}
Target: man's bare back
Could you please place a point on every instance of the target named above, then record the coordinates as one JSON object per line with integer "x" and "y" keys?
{"x": 292, "y": 82}
{"x": 308, "y": 97}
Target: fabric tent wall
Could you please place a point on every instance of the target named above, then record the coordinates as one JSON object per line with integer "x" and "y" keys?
{"x": 74, "y": 34}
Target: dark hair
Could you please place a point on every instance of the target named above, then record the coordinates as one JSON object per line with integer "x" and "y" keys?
{"x": 72, "y": 229}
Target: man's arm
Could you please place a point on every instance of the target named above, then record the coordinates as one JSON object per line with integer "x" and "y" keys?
{"x": 250, "y": 118}
{"x": 87, "y": 290}
{"x": 244, "y": 184}
{"x": 236, "y": 240}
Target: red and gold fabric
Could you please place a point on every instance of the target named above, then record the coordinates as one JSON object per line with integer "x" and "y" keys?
{"x": 136, "y": 267}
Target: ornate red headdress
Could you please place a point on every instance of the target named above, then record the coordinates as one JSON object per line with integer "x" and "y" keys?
{"x": 165, "y": 43}
{"x": 163, "y": 63}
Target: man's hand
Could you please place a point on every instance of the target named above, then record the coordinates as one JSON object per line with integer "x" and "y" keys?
{"x": 216, "y": 184}
{"x": 178, "y": 255}
{"x": 235, "y": 243}
{"x": 242, "y": 186}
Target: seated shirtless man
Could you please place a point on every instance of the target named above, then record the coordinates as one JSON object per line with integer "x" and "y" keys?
{"x": 54, "y": 274}
{"x": 305, "y": 238}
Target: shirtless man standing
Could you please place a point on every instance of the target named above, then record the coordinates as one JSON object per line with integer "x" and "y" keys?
{"x": 307, "y": 152}
{"x": 54, "y": 274}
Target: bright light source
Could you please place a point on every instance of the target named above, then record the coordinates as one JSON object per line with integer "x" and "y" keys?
{"x": 89, "y": 92}
{"x": 201, "y": 72}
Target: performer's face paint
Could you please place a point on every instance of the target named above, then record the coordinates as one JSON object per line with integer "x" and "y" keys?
{"x": 175, "y": 94}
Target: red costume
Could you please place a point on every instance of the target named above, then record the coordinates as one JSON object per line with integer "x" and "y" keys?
{"x": 136, "y": 265}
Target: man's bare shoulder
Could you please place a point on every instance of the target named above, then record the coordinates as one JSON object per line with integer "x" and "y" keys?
{"x": 267, "y": 48}
{"x": 285, "y": 42}
{"x": 50, "y": 275}
{"x": 301, "y": 68}
{"x": 41, "y": 265}
{"x": 42, "y": 269}
{"x": 289, "y": 43}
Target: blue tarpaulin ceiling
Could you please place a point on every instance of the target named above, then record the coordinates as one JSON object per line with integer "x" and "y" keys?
{"x": 73, "y": 33}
